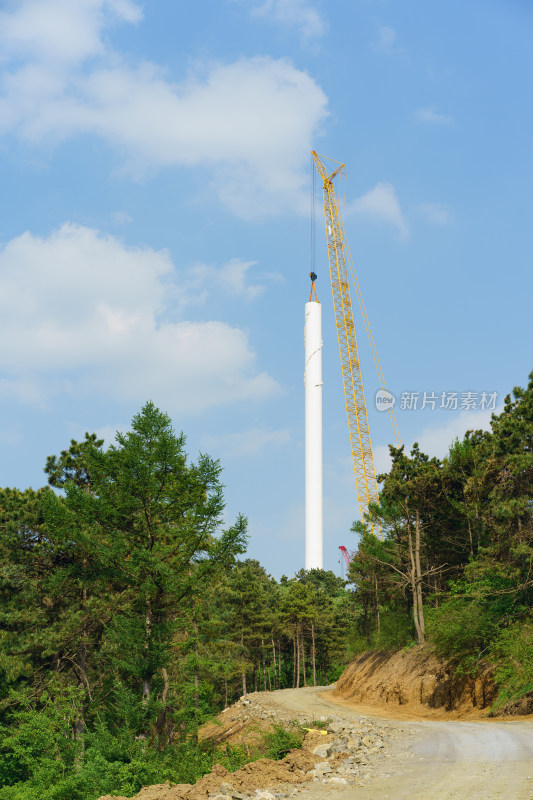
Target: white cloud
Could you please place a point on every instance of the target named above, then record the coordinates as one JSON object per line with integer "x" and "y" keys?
{"x": 382, "y": 459}
{"x": 246, "y": 444}
{"x": 250, "y": 123}
{"x": 436, "y": 441}
{"x": 429, "y": 116}
{"x": 381, "y": 203}
{"x": 297, "y": 13}
{"x": 387, "y": 42}
{"x": 121, "y": 217}
{"x": 81, "y": 312}
{"x": 231, "y": 278}
{"x": 435, "y": 214}
{"x": 106, "y": 432}
{"x": 60, "y": 31}
{"x": 109, "y": 433}
{"x": 22, "y": 389}
{"x": 11, "y": 437}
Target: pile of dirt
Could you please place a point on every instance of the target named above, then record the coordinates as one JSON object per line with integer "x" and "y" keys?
{"x": 294, "y": 769}
{"x": 238, "y": 725}
{"x": 246, "y": 722}
{"x": 416, "y": 678}
{"x": 339, "y": 754}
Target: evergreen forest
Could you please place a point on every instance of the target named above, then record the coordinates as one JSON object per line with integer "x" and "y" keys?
{"x": 130, "y": 615}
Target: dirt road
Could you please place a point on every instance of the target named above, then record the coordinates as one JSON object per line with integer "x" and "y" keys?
{"x": 432, "y": 760}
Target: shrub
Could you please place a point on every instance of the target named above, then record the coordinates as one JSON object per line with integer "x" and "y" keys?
{"x": 279, "y": 741}
{"x": 461, "y": 629}
{"x": 512, "y": 653}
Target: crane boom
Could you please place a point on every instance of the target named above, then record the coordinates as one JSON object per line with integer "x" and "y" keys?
{"x": 360, "y": 442}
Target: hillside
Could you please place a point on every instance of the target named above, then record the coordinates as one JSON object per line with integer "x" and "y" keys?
{"x": 416, "y": 679}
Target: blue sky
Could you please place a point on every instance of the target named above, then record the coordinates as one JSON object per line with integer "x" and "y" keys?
{"x": 155, "y": 228}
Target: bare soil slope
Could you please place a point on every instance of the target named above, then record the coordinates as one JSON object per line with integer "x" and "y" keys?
{"x": 416, "y": 679}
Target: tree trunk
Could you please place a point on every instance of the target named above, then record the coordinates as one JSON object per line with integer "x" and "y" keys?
{"x": 366, "y": 622}
{"x": 81, "y": 663}
{"x": 196, "y": 670}
{"x": 225, "y": 693}
{"x": 297, "y": 645}
{"x": 302, "y": 641}
{"x": 313, "y": 652}
{"x": 274, "y": 662}
{"x": 162, "y": 716}
{"x": 470, "y": 537}
{"x": 147, "y": 682}
{"x": 294, "y": 661}
{"x": 421, "y": 621}
{"x": 264, "y": 665}
{"x": 244, "y": 670}
{"x": 376, "y": 601}
{"x": 413, "y": 582}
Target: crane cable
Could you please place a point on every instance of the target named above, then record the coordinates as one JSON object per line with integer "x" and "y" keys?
{"x": 370, "y": 335}
{"x": 373, "y": 347}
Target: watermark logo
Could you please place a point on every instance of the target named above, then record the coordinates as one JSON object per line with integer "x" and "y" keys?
{"x": 444, "y": 401}
{"x": 384, "y": 400}
{"x": 449, "y": 401}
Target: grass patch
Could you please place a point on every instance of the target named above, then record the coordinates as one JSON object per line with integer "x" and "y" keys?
{"x": 506, "y": 696}
{"x": 319, "y": 723}
{"x": 280, "y": 741}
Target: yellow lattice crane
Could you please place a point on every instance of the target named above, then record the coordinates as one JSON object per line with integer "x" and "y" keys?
{"x": 360, "y": 442}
